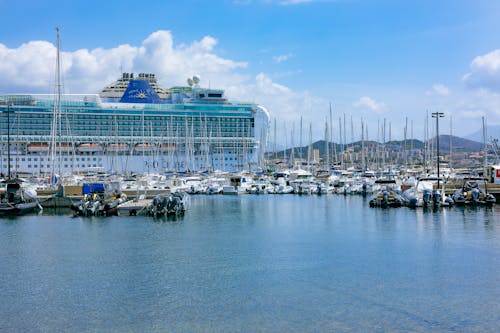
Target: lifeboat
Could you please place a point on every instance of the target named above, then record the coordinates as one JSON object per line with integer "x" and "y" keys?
{"x": 65, "y": 147}
{"x": 89, "y": 147}
{"x": 117, "y": 147}
{"x": 146, "y": 147}
{"x": 167, "y": 147}
{"x": 38, "y": 147}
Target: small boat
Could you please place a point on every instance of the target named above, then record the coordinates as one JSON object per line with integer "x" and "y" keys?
{"x": 261, "y": 187}
{"x": 215, "y": 185}
{"x": 137, "y": 206}
{"x": 168, "y": 204}
{"x": 89, "y": 147}
{"x": 97, "y": 201}
{"x": 193, "y": 184}
{"x": 229, "y": 189}
{"x": 167, "y": 147}
{"x": 472, "y": 193}
{"x": 117, "y": 147}
{"x": 145, "y": 147}
{"x": 17, "y": 200}
{"x": 38, "y": 147}
{"x": 426, "y": 194}
{"x": 387, "y": 196}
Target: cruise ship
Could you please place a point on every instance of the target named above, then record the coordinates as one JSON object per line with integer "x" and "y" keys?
{"x": 132, "y": 126}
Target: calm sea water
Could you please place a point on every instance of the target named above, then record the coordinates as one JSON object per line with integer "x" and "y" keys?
{"x": 254, "y": 263}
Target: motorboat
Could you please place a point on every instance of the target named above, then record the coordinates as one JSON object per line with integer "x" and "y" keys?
{"x": 137, "y": 206}
{"x": 16, "y": 199}
{"x": 474, "y": 191}
{"x": 388, "y": 195}
{"x": 426, "y": 193}
{"x": 169, "y": 204}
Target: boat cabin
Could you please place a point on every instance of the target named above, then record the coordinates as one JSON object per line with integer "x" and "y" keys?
{"x": 493, "y": 174}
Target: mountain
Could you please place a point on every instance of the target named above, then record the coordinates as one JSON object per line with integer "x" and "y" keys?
{"x": 492, "y": 131}
{"x": 458, "y": 144}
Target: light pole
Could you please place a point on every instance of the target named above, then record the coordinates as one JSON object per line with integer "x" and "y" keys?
{"x": 437, "y": 115}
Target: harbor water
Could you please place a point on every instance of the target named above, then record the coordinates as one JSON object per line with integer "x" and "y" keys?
{"x": 254, "y": 263}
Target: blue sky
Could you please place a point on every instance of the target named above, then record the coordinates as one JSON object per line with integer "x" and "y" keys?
{"x": 372, "y": 59}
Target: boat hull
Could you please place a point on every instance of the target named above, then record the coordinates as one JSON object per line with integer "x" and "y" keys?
{"x": 18, "y": 209}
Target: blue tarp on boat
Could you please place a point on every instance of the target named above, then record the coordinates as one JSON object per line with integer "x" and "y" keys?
{"x": 88, "y": 188}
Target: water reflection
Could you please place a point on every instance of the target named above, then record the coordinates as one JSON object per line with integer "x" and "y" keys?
{"x": 244, "y": 263}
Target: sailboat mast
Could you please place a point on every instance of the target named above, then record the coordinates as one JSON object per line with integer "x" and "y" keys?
{"x": 341, "y": 145}
{"x": 383, "y": 145}
{"x": 292, "y": 152}
{"x": 451, "y": 142}
{"x": 331, "y": 135}
{"x": 363, "y": 166}
{"x": 344, "y": 147}
{"x": 8, "y": 140}
{"x": 286, "y": 143}
{"x": 404, "y": 144}
{"x": 57, "y": 107}
{"x": 274, "y": 140}
{"x": 300, "y": 139}
{"x": 484, "y": 142}
{"x": 327, "y": 149}
{"x": 411, "y": 143}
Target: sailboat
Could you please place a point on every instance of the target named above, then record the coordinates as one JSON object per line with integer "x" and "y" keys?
{"x": 14, "y": 198}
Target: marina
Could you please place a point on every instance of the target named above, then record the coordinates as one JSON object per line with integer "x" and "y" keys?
{"x": 251, "y": 174}
{"x": 110, "y": 190}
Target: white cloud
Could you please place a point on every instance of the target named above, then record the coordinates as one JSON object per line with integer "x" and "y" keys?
{"x": 31, "y": 66}
{"x": 282, "y": 58}
{"x": 366, "y": 102}
{"x": 284, "y": 103}
{"x": 439, "y": 89}
{"x": 485, "y": 72}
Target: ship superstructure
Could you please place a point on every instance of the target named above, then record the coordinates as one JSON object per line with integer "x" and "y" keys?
{"x": 133, "y": 125}
{"x": 114, "y": 91}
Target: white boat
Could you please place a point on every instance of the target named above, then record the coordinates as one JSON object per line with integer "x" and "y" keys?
{"x": 193, "y": 184}
{"x": 138, "y": 206}
{"x": 89, "y": 148}
{"x": 238, "y": 184}
{"x": 17, "y": 200}
{"x": 426, "y": 194}
{"x": 215, "y": 185}
{"x": 261, "y": 187}
{"x": 282, "y": 187}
